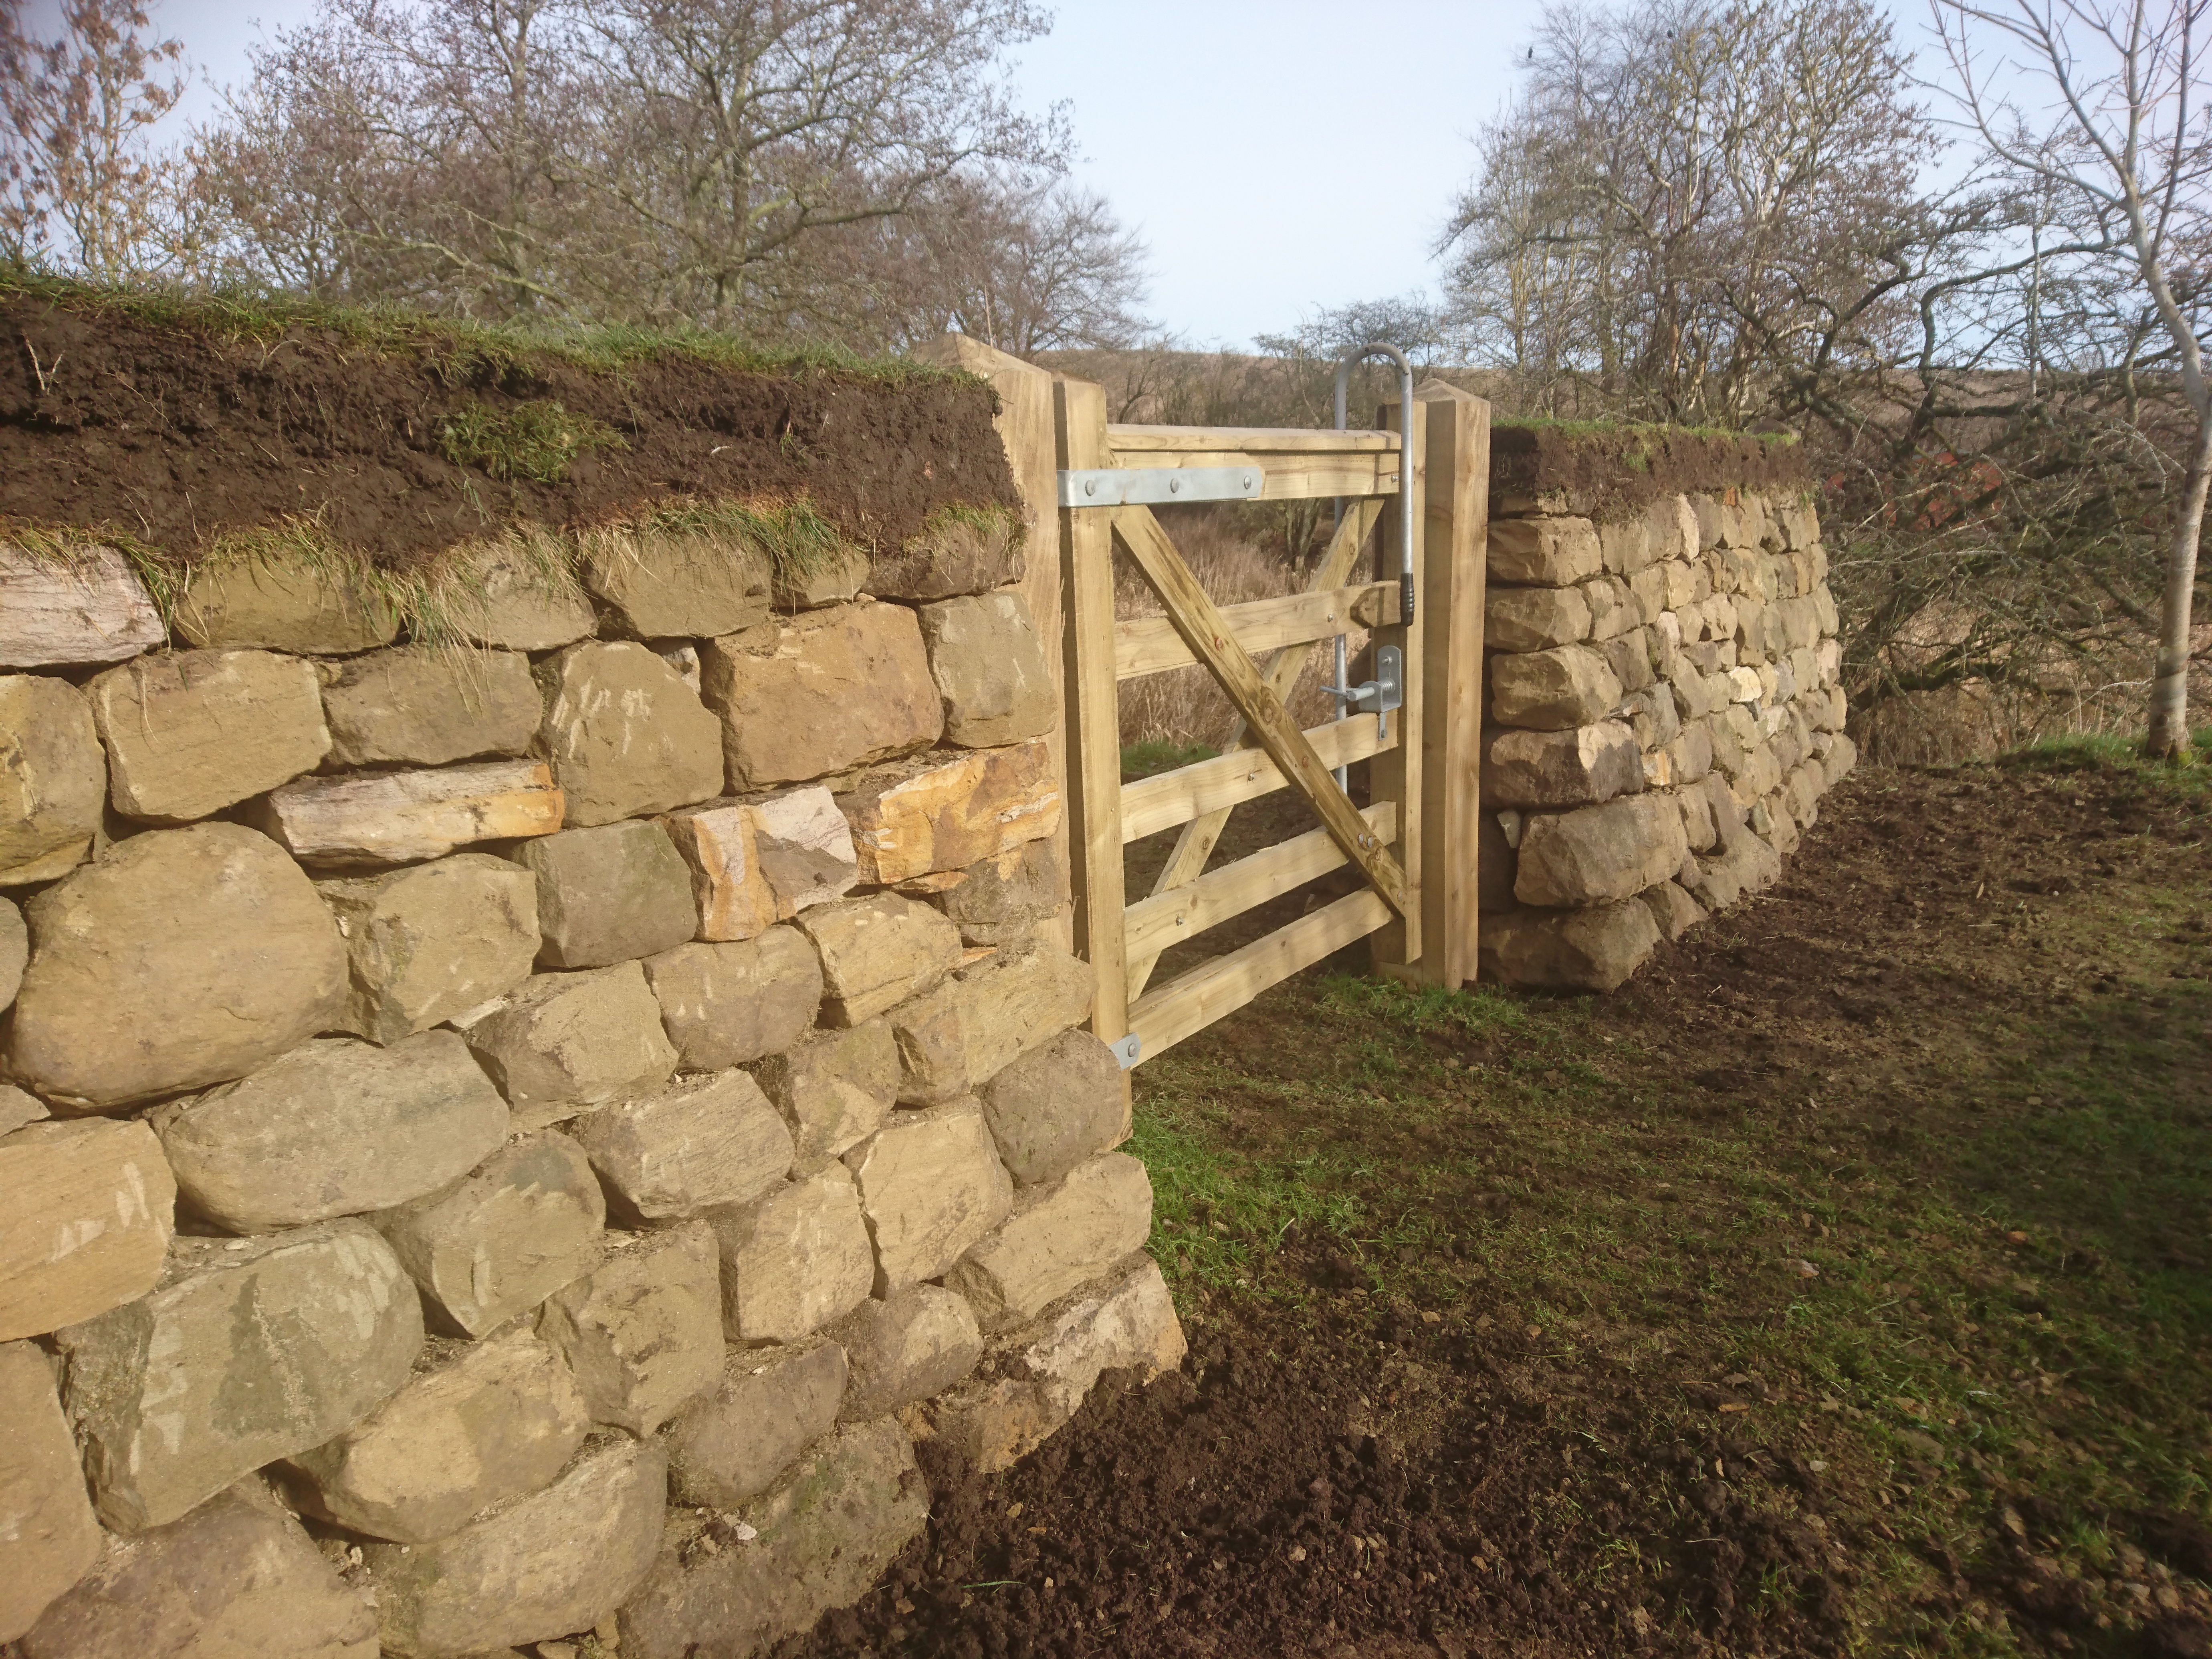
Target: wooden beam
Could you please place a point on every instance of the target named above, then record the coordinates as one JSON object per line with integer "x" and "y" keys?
{"x": 1208, "y": 636}
{"x": 1290, "y": 477}
{"x": 1153, "y": 924}
{"x": 1151, "y": 805}
{"x": 1397, "y": 774}
{"x": 1261, "y": 439}
{"x": 1150, "y": 645}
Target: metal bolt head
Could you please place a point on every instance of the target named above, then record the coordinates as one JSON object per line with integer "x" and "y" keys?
{"x": 1090, "y": 486}
{"x": 1174, "y": 486}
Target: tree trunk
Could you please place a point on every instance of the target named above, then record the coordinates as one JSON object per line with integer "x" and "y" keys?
{"x": 2169, "y": 694}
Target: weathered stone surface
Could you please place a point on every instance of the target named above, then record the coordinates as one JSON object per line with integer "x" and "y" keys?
{"x": 86, "y": 1224}
{"x": 795, "y": 1260}
{"x": 801, "y": 697}
{"x": 424, "y": 705}
{"x": 1582, "y": 766}
{"x": 877, "y": 952}
{"x": 485, "y": 1422}
{"x": 1744, "y": 865}
{"x": 247, "y": 1351}
{"x": 563, "y": 1043}
{"x": 644, "y": 1332}
{"x": 285, "y": 603}
{"x": 1056, "y": 1106}
{"x": 926, "y": 814}
{"x": 1534, "y": 618}
{"x": 432, "y": 941}
{"x": 931, "y": 1185}
{"x": 1674, "y": 910}
{"x": 517, "y": 598}
{"x": 558, "y": 1561}
{"x": 183, "y": 957}
{"x": 1598, "y": 855}
{"x": 524, "y": 1223}
{"x": 402, "y": 817}
{"x": 1593, "y": 949}
{"x": 611, "y": 893}
{"x": 87, "y": 607}
{"x": 1057, "y": 1238}
{"x": 1612, "y": 607}
{"x": 1552, "y": 690}
{"x": 698, "y": 1145}
{"x": 17, "y": 1109}
{"x": 914, "y": 1344}
{"x": 49, "y": 1537}
{"x": 1629, "y": 656}
{"x": 954, "y": 1038}
{"x": 235, "y": 1579}
{"x": 738, "y": 1442}
{"x": 989, "y": 666}
{"x": 724, "y": 1005}
{"x": 625, "y": 735}
{"x": 834, "y": 1090}
{"x": 1550, "y": 552}
{"x": 821, "y": 1538}
{"x": 806, "y": 849}
{"x": 53, "y": 779}
{"x": 191, "y": 732}
{"x": 659, "y": 584}
{"x": 1001, "y": 901}
{"x": 953, "y": 554}
{"x": 334, "y": 1127}
{"x": 830, "y": 581}
{"x": 720, "y": 846}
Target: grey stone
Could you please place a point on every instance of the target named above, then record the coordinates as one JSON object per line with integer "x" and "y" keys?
{"x": 931, "y": 1185}
{"x": 954, "y": 1038}
{"x": 989, "y": 666}
{"x": 563, "y": 1043}
{"x": 807, "y": 850}
{"x": 433, "y": 940}
{"x": 90, "y": 1209}
{"x": 1056, "y": 1106}
{"x": 424, "y": 705}
{"x": 1592, "y": 950}
{"x": 877, "y": 952}
{"x": 794, "y": 1260}
{"x": 906, "y": 1349}
{"x": 1599, "y": 854}
{"x": 644, "y": 1332}
{"x": 49, "y": 1537}
{"x": 611, "y": 893}
{"x": 724, "y": 1005}
{"x": 624, "y": 734}
{"x": 1674, "y": 910}
{"x": 834, "y": 1090}
{"x": 772, "y": 1404}
{"x": 53, "y": 779}
{"x": 698, "y": 1145}
{"x": 86, "y": 606}
{"x": 1057, "y": 1238}
{"x": 400, "y": 817}
{"x": 190, "y": 732}
{"x": 1582, "y": 766}
{"x": 999, "y": 901}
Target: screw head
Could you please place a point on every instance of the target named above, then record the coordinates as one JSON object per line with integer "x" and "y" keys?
{"x": 1090, "y": 486}
{"x": 1174, "y": 486}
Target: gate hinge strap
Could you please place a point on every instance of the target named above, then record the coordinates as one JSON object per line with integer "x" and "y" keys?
{"x": 1133, "y": 486}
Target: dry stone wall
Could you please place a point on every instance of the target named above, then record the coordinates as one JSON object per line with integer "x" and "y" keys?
{"x": 1664, "y": 715}
{"x": 516, "y": 1136}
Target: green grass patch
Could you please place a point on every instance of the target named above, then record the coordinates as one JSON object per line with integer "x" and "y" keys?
{"x": 531, "y": 443}
{"x": 1156, "y": 754}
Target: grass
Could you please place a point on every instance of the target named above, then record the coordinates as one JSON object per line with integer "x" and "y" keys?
{"x": 532, "y": 441}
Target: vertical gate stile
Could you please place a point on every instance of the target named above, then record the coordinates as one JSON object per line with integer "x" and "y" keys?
{"x": 1395, "y": 775}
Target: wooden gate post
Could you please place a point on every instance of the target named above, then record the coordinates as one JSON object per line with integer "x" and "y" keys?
{"x": 1395, "y": 775}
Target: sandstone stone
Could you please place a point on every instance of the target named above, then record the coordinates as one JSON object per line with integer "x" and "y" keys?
{"x": 926, "y": 814}
{"x": 49, "y": 1537}
{"x": 931, "y": 1185}
{"x": 247, "y": 1351}
{"x": 1613, "y": 608}
{"x": 90, "y": 1211}
{"x": 524, "y": 1223}
{"x": 517, "y": 598}
{"x": 1056, "y": 1106}
{"x": 1057, "y": 1238}
{"x": 834, "y": 1090}
{"x": 736, "y": 1443}
{"x": 806, "y": 849}
{"x": 563, "y": 1043}
{"x": 423, "y": 705}
{"x": 954, "y": 1039}
{"x": 401, "y": 818}
{"x": 557, "y": 1561}
{"x": 644, "y": 1332}
{"x": 695, "y": 1145}
{"x": 821, "y": 1538}
{"x": 999, "y": 901}
{"x": 1839, "y": 760}
{"x": 1592, "y": 950}
{"x": 1653, "y": 718}
{"x": 191, "y": 732}
{"x": 954, "y": 553}
{"x": 87, "y": 606}
{"x": 659, "y": 584}
{"x": 183, "y": 957}
{"x": 1552, "y": 690}
{"x": 989, "y": 666}
{"x": 607, "y": 894}
{"x": 1674, "y": 910}
{"x": 830, "y": 581}
{"x": 917, "y": 1344}
{"x": 795, "y": 1260}
{"x": 1803, "y": 792}
{"x": 17, "y": 1109}
{"x": 285, "y": 602}
{"x": 625, "y": 735}
{"x": 1629, "y": 656}
{"x": 334, "y": 1127}
{"x": 1534, "y": 618}
{"x": 1582, "y": 766}
{"x": 877, "y": 952}
{"x": 235, "y": 1579}
{"x": 487, "y": 1422}
{"x": 433, "y": 940}
{"x": 805, "y": 696}
{"x": 719, "y": 845}
{"x": 1648, "y": 587}
{"x": 1598, "y": 855}
{"x": 1552, "y": 552}
{"x": 724, "y": 1005}
{"x": 53, "y": 779}
{"x": 1699, "y": 832}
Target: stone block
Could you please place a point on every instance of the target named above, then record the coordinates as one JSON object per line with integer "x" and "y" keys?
{"x": 334, "y": 1127}
{"x": 1534, "y": 618}
{"x": 806, "y": 849}
{"x": 183, "y": 957}
{"x": 524, "y": 1223}
{"x": 518, "y": 596}
{"x": 805, "y": 696}
{"x": 1699, "y": 832}
{"x": 558, "y": 1561}
{"x": 999, "y": 901}
{"x": 237, "y": 1578}
{"x": 1549, "y": 552}
{"x": 406, "y": 818}
{"x": 914, "y": 1344}
{"x": 738, "y": 1442}
{"x": 1613, "y": 608}
{"x": 928, "y": 814}
{"x": 1552, "y": 690}
{"x": 1496, "y": 861}
{"x": 719, "y": 845}
{"x": 1592, "y": 950}
{"x": 1653, "y": 717}
{"x": 432, "y": 940}
{"x": 794, "y": 1260}
{"x": 724, "y": 1005}
{"x": 954, "y": 1038}
{"x": 698, "y": 1145}
{"x": 49, "y": 1537}
{"x": 1583, "y": 766}
{"x": 1599, "y": 854}
{"x": 1841, "y": 757}
{"x": 1674, "y": 909}
{"x": 563, "y": 1043}
{"x": 661, "y": 584}
{"x": 53, "y": 779}
{"x": 989, "y": 666}
{"x": 930, "y": 1186}
{"x": 832, "y": 580}
{"x": 90, "y": 1211}
{"x": 1671, "y": 529}
{"x": 87, "y": 606}
{"x": 820, "y": 1540}
{"x": 611, "y": 893}
{"x": 1057, "y": 1238}
{"x": 642, "y": 1333}
{"x": 18, "y": 1109}
{"x": 626, "y": 736}
{"x": 1629, "y": 656}
{"x": 316, "y": 606}
{"x": 480, "y": 1423}
{"x": 834, "y": 1090}
{"x": 877, "y": 952}
{"x": 1056, "y": 1106}
{"x": 954, "y": 553}
{"x": 248, "y": 1350}
{"x": 424, "y": 705}
{"x": 191, "y": 732}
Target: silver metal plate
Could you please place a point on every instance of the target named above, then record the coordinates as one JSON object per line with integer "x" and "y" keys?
{"x": 1129, "y": 1050}
{"x": 1151, "y": 486}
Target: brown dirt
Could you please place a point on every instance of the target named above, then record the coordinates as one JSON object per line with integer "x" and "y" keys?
{"x": 174, "y": 435}
{"x": 1612, "y": 473}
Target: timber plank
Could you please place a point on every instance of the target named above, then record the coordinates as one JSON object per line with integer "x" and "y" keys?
{"x": 1151, "y": 805}
{"x": 1153, "y": 924}
{"x": 1150, "y": 645}
{"x": 1192, "y": 1001}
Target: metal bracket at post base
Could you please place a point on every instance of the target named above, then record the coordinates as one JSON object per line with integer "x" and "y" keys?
{"x": 1145, "y": 486}
{"x": 1129, "y": 1050}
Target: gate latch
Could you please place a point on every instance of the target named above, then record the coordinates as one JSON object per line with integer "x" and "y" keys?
{"x": 1379, "y": 695}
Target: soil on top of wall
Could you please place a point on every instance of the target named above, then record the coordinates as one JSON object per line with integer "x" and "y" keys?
{"x": 1613, "y": 472}
{"x": 173, "y": 424}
